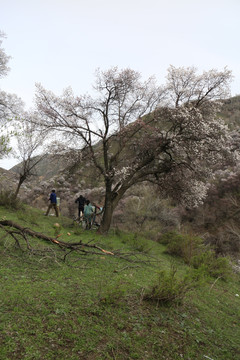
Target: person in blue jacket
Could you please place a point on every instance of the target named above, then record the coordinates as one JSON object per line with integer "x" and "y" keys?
{"x": 53, "y": 203}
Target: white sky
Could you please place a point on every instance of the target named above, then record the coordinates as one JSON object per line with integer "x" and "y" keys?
{"x": 60, "y": 43}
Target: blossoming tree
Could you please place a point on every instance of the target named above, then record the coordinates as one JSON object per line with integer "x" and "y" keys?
{"x": 136, "y": 131}
{"x": 10, "y": 105}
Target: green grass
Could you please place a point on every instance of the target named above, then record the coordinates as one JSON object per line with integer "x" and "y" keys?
{"x": 92, "y": 306}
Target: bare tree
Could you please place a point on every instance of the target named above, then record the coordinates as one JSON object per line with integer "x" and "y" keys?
{"x": 28, "y": 149}
{"x": 136, "y": 131}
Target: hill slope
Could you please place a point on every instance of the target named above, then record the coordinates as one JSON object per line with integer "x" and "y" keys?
{"x": 94, "y": 306}
{"x": 231, "y": 112}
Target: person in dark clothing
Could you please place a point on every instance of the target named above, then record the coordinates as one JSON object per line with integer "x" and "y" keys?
{"x": 53, "y": 203}
{"x": 81, "y": 202}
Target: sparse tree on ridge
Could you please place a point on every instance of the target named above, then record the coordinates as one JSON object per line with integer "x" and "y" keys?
{"x": 136, "y": 131}
{"x": 28, "y": 147}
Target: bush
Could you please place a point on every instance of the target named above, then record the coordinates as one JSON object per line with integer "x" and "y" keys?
{"x": 169, "y": 288}
{"x": 183, "y": 245}
{"x": 8, "y": 199}
{"x": 212, "y": 265}
{"x": 136, "y": 242}
{"x": 195, "y": 253}
{"x": 140, "y": 244}
{"x": 142, "y": 211}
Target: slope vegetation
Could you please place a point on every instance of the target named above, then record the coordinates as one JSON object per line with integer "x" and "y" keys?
{"x": 134, "y": 300}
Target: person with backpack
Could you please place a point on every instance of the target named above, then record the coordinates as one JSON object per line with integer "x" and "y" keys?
{"x": 88, "y": 214}
{"x": 81, "y": 202}
{"x": 53, "y": 203}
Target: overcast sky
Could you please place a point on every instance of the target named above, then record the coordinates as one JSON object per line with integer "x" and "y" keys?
{"x": 61, "y": 43}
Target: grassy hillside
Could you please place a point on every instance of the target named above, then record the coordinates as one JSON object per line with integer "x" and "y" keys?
{"x": 130, "y": 305}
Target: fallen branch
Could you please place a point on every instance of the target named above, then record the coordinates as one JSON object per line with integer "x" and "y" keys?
{"x": 61, "y": 244}
{"x": 18, "y": 233}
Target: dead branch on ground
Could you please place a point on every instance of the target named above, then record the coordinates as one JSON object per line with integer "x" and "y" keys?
{"x": 17, "y": 231}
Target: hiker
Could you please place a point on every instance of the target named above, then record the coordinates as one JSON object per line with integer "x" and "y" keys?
{"x": 97, "y": 211}
{"x": 81, "y": 202}
{"x": 88, "y": 214}
{"x": 53, "y": 203}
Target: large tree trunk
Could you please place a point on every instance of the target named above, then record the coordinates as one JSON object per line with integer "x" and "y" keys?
{"x": 111, "y": 201}
{"x": 108, "y": 211}
{"x": 20, "y": 182}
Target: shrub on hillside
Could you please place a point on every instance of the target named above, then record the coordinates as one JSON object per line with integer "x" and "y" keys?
{"x": 135, "y": 241}
{"x": 8, "y": 199}
{"x": 139, "y": 244}
{"x": 169, "y": 288}
{"x": 142, "y": 211}
{"x": 196, "y": 254}
{"x": 183, "y": 245}
{"x": 208, "y": 263}
{"x": 227, "y": 239}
